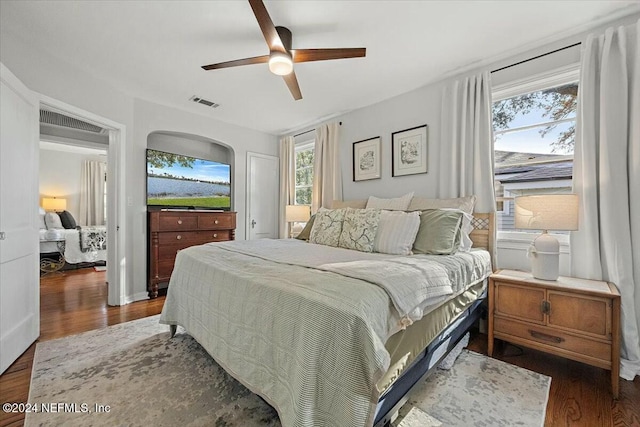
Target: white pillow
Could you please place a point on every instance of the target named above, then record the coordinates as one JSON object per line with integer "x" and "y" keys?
{"x": 396, "y": 232}
{"x": 359, "y": 229}
{"x": 41, "y": 215}
{"x": 52, "y": 220}
{"x": 397, "y": 204}
{"x": 327, "y": 227}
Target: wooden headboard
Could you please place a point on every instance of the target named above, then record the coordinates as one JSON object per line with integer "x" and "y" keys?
{"x": 483, "y": 233}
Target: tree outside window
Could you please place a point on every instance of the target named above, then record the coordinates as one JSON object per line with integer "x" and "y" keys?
{"x": 304, "y": 173}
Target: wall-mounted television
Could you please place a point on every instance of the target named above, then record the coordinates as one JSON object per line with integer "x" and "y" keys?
{"x": 184, "y": 182}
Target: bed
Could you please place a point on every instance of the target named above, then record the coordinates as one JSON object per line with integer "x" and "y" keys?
{"x": 82, "y": 244}
{"x": 327, "y": 335}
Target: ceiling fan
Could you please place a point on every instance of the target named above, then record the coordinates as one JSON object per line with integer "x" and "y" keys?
{"x": 281, "y": 56}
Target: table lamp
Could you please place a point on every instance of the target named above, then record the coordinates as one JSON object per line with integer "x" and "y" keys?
{"x": 55, "y": 204}
{"x": 296, "y": 213}
{"x": 546, "y": 212}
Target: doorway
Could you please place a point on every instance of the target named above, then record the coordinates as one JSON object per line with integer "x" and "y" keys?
{"x": 114, "y": 135}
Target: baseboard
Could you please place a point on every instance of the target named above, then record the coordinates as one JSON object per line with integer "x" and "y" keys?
{"x": 136, "y": 297}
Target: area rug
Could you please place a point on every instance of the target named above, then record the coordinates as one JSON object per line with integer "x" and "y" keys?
{"x": 133, "y": 374}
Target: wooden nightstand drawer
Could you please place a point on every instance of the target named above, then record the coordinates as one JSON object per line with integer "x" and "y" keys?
{"x": 583, "y": 349}
{"x": 519, "y": 302}
{"x": 591, "y": 315}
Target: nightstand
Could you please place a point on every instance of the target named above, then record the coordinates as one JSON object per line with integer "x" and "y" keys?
{"x": 49, "y": 265}
{"x": 574, "y": 318}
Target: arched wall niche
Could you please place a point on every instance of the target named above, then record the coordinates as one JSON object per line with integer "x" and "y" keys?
{"x": 194, "y": 146}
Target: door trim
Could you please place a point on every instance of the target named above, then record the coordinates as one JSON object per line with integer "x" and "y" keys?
{"x": 247, "y": 204}
{"x": 116, "y": 196}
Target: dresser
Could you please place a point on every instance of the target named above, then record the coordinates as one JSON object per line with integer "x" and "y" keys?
{"x": 574, "y": 318}
{"x": 172, "y": 230}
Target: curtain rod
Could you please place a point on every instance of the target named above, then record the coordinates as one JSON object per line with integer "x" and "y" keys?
{"x": 310, "y": 130}
{"x": 536, "y": 57}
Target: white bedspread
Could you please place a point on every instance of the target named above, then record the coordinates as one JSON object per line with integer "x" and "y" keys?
{"x": 72, "y": 252}
{"x": 308, "y": 340}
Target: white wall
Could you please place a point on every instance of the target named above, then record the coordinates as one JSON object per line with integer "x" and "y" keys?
{"x": 47, "y": 75}
{"x": 60, "y": 174}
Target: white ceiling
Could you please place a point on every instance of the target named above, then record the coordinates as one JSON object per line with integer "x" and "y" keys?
{"x": 154, "y": 49}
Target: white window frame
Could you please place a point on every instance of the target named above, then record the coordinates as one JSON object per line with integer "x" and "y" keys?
{"x": 534, "y": 83}
{"x": 308, "y": 145}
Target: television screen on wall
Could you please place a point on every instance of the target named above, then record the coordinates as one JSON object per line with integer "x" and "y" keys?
{"x": 184, "y": 182}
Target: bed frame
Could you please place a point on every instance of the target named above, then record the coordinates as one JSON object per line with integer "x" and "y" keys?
{"x": 398, "y": 393}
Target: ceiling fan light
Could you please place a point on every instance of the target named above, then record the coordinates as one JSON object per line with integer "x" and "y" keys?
{"x": 280, "y": 63}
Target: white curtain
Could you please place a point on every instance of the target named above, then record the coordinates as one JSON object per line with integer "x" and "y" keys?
{"x": 606, "y": 176}
{"x": 92, "y": 191}
{"x": 466, "y": 145}
{"x": 287, "y": 180}
{"x": 327, "y": 177}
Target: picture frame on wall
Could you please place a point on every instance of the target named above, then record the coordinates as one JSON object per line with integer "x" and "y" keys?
{"x": 409, "y": 155}
{"x": 366, "y": 159}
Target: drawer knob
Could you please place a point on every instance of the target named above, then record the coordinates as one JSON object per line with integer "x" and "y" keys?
{"x": 179, "y": 221}
{"x": 216, "y": 221}
{"x": 178, "y": 237}
{"x": 545, "y": 337}
{"x": 215, "y": 235}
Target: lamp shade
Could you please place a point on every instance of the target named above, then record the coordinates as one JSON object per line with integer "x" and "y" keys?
{"x": 547, "y": 212}
{"x": 297, "y": 213}
{"x": 54, "y": 203}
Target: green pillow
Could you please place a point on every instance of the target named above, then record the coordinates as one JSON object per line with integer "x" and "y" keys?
{"x": 306, "y": 231}
{"x": 439, "y": 232}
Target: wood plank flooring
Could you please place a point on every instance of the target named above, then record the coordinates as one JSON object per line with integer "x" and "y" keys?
{"x": 75, "y": 301}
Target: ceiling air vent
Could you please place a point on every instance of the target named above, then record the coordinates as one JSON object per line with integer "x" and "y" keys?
{"x": 199, "y": 100}
{"x": 57, "y": 119}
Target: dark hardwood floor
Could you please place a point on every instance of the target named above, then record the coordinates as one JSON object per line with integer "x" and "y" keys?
{"x": 75, "y": 301}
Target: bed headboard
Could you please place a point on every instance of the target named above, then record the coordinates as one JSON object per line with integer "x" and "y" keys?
{"x": 483, "y": 233}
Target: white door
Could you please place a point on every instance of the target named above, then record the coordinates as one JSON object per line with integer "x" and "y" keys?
{"x": 19, "y": 280}
{"x": 262, "y": 196}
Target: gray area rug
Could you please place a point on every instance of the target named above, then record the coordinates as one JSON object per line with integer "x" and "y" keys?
{"x": 132, "y": 374}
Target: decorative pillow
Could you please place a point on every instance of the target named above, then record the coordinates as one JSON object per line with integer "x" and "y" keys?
{"x": 397, "y": 204}
{"x": 465, "y": 204}
{"x": 67, "y": 220}
{"x": 52, "y": 220}
{"x": 439, "y": 232}
{"x": 306, "y": 231}
{"x": 359, "y": 229}
{"x": 396, "y": 232}
{"x": 41, "y": 215}
{"x": 327, "y": 227}
{"x": 355, "y": 204}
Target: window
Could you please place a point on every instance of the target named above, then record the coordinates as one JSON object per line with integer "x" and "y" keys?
{"x": 534, "y": 133}
{"x": 304, "y": 172}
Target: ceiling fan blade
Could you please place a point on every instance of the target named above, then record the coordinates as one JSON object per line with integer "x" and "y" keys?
{"x": 308, "y": 55}
{"x": 266, "y": 25}
{"x": 238, "y": 62}
{"x": 292, "y": 83}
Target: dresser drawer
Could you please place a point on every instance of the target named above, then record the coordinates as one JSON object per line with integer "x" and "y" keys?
{"x": 181, "y": 238}
{"x": 551, "y": 337}
{"x": 177, "y": 222}
{"x": 216, "y": 222}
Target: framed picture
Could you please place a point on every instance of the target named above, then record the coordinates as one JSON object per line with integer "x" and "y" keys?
{"x": 409, "y": 151}
{"x": 366, "y": 159}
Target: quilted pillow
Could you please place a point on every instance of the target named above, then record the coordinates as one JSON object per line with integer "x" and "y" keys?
{"x": 397, "y": 204}
{"x": 396, "y": 232}
{"x": 67, "y": 220}
{"x": 439, "y": 232}
{"x": 359, "y": 229}
{"x": 52, "y": 220}
{"x": 327, "y": 227}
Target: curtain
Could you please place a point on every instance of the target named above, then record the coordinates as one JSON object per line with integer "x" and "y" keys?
{"x": 92, "y": 191}
{"x": 606, "y": 173}
{"x": 287, "y": 181}
{"x": 327, "y": 178}
{"x": 466, "y": 146}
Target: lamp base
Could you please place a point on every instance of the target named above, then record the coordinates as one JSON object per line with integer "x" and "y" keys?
{"x": 545, "y": 257}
